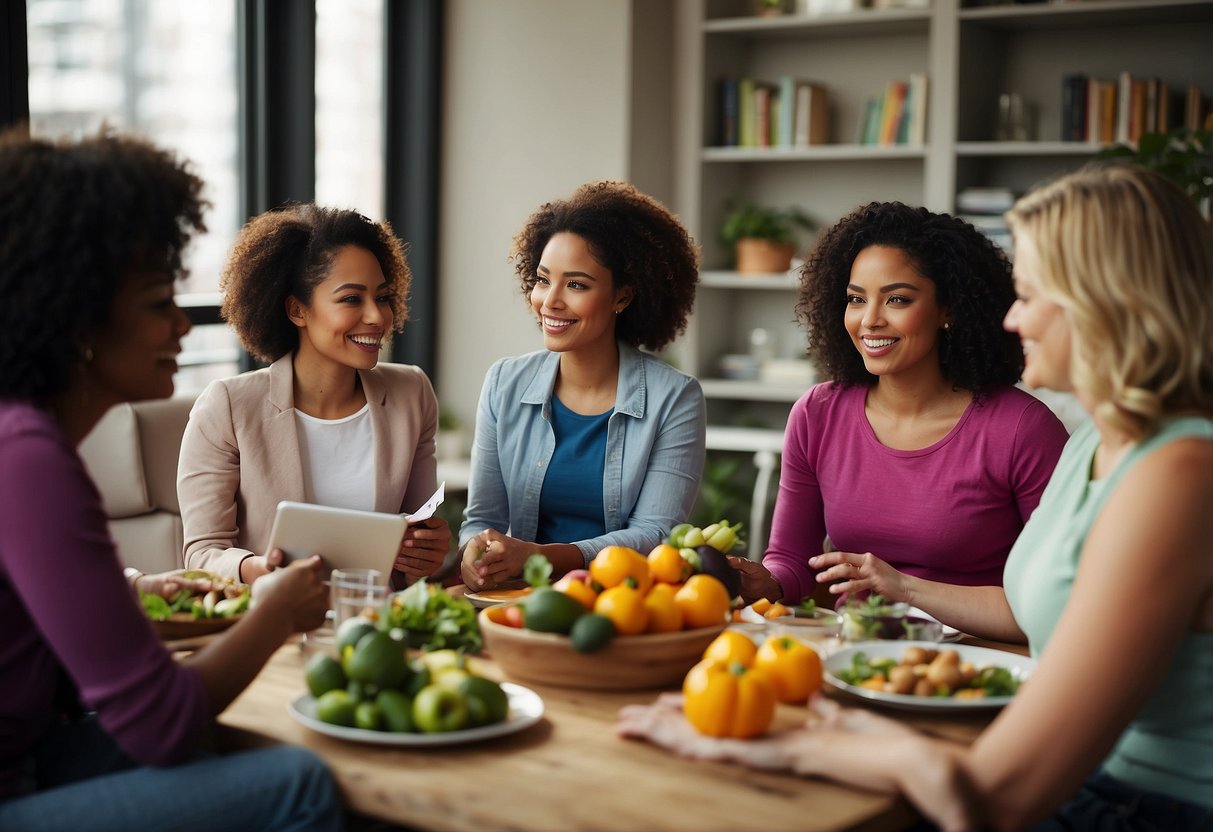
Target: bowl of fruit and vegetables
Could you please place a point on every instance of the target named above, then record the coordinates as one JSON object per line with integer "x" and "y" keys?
{"x": 630, "y": 621}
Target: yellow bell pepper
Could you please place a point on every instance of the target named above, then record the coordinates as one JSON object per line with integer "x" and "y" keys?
{"x": 728, "y": 700}
{"x": 793, "y": 666}
{"x": 617, "y": 565}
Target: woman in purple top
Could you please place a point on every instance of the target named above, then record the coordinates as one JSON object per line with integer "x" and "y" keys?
{"x": 99, "y": 725}
{"x": 918, "y": 460}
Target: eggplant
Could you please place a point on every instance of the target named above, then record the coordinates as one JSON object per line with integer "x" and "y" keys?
{"x": 713, "y": 562}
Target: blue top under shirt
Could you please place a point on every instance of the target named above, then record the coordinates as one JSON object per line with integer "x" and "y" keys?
{"x": 570, "y": 503}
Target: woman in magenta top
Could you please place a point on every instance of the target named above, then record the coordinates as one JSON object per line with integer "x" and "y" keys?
{"x": 919, "y": 457}
{"x": 100, "y": 727}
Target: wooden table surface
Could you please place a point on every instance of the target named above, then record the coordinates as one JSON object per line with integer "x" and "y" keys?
{"x": 568, "y": 772}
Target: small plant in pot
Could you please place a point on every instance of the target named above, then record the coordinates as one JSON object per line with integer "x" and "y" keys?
{"x": 763, "y": 239}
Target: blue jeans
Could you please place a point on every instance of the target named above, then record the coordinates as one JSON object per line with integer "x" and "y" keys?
{"x": 82, "y": 780}
{"x": 1106, "y": 804}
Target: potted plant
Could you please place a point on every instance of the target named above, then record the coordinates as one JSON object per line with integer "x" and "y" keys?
{"x": 763, "y": 239}
{"x": 1184, "y": 156}
{"x": 770, "y": 8}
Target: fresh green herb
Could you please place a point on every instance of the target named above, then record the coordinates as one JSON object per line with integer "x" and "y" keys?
{"x": 808, "y": 607}
{"x": 537, "y": 571}
{"x": 432, "y": 619}
{"x": 996, "y": 681}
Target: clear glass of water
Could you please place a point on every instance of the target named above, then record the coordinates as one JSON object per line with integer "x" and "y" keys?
{"x": 357, "y": 592}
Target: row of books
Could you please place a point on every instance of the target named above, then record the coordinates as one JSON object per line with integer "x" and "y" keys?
{"x": 1121, "y": 111}
{"x": 791, "y": 113}
{"x": 896, "y": 116}
{"x": 983, "y": 208}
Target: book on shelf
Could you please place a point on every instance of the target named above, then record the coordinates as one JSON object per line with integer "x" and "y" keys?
{"x": 1122, "y": 111}
{"x": 811, "y": 115}
{"x": 728, "y": 113}
{"x": 993, "y": 200}
{"x": 898, "y": 115}
{"x": 759, "y": 114}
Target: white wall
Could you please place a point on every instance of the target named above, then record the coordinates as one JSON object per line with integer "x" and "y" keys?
{"x": 537, "y": 102}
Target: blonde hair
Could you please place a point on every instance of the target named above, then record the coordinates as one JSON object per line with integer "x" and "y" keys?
{"x": 1130, "y": 259}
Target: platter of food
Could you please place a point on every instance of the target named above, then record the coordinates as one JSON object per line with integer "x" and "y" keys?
{"x": 190, "y": 615}
{"x": 525, "y": 709}
{"x": 956, "y": 677}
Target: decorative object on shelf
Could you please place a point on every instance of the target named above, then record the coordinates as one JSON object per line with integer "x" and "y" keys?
{"x": 1015, "y": 119}
{"x": 763, "y": 239}
{"x": 1184, "y": 156}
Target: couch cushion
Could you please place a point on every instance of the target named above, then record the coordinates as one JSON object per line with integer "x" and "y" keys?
{"x": 112, "y": 456}
{"x": 161, "y": 426}
{"x": 150, "y": 543}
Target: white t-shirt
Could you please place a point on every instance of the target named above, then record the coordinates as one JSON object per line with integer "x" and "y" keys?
{"x": 338, "y": 469}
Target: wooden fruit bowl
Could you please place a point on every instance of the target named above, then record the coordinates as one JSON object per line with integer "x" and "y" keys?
{"x": 659, "y": 660}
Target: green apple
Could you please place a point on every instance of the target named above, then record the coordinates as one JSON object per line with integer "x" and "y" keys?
{"x": 438, "y": 709}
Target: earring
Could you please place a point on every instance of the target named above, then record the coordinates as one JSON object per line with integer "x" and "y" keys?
{"x": 617, "y": 311}
{"x": 87, "y": 354}
{"x": 947, "y": 325}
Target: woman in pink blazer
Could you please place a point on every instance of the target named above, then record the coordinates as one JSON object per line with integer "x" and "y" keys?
{"x": 316, "y": 291}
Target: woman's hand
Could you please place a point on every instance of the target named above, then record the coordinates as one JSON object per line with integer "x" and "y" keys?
{"x": 254, "y": 566}
{"x": 859, "y": 573}
{"x": 492, "y": 558}
{"x": 424, "y": 548}
{"x": 851, "y": 745}
{"x": 756, "y": 581}
{"x": 168, "y": 584}
{"x": 297, "y": 594}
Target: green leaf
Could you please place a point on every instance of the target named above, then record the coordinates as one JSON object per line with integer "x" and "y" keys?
{"x": 537, "y": 571}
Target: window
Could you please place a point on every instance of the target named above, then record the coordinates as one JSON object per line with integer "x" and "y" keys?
{"x": 349, "y": 105}
{"x": 167, "y": 71}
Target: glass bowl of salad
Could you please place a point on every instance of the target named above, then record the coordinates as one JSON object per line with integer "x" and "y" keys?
{"x": 875, "y": 617}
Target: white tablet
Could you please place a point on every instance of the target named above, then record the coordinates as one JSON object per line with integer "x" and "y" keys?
{"x": 345, "y": 538}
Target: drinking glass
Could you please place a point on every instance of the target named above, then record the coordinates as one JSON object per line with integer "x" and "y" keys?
{"x": 356, "y": 592}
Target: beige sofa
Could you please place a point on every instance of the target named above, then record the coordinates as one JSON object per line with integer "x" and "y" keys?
{"x": 132, "y": 456}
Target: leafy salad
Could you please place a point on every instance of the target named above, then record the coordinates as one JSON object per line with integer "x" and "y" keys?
{"x": 433, "y": 619}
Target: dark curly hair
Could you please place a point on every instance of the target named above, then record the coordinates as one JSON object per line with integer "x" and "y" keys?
{"x": 76, "y": 219}
{"x": 634, "y": 236}
{"x": 288, "y": 251}
{"x": 972, "y": 278}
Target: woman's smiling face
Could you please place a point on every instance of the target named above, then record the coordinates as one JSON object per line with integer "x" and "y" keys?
{"x": 350, "y": 312}
{"x": 892, "y": 314}
{"x": 1039, "y": 322}
{"x": 574, "y": 297}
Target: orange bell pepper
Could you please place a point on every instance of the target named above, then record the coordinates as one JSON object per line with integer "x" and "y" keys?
{"x": 625, "y": 607}
{"x": 728, "y": 700}
{"x": 667, "y": 565}
{"x": 704, "y": 602}
{"x": 731, "y": 646}
{"x": 663, "y": 613}
{"x": 793, "y": 666}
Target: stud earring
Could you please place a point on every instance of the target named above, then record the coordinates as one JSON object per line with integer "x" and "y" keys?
{"x": 87, "y": 354}
{"x": 947, "y": 325}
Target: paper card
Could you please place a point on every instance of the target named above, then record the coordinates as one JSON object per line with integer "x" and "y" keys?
{"x": 431, "y": 505}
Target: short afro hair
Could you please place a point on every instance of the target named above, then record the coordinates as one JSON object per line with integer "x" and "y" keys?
{"x": 76, "y": 219}
{"x": 288, "y": 251}
{"x": 634, "y": 236}
{"x": 972, "y": 278}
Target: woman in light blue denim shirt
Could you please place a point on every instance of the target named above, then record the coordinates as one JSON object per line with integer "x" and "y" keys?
{"x": 589, "y": 442}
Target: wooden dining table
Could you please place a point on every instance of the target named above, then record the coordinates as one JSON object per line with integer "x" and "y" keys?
{"x": 568, "y": 772}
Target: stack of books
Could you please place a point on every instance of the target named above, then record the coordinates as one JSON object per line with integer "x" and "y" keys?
{"x": 896, "y": 116}
{"x": 791, "y": 113}
{"x": 983, "y": 208}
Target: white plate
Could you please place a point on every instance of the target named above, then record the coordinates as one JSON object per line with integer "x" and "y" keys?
{"x": 1020, "y": 666}
{"x": 526, "y": 708}
{"x": 949, "y": 633}
{"x": 492, "y": 597}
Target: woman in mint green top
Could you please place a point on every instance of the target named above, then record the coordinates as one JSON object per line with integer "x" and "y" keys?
{"x": 1111, "y": 579}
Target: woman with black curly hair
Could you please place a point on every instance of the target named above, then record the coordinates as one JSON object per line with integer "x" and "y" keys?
{"x": 99, "y": 724}
{"x": 317, "y": 291}
{"x": 919, "y": 458}
{"x": 589, "y": 442}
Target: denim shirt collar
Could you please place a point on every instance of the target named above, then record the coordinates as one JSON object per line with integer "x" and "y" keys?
{"x": 629, "y": 397}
